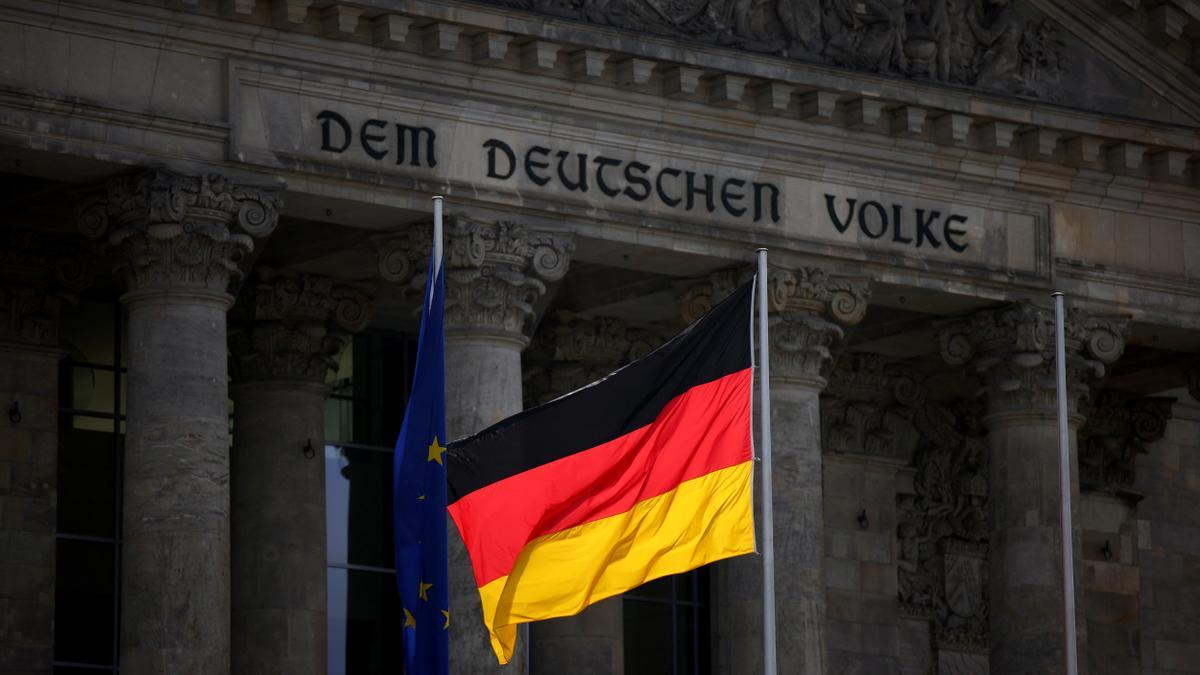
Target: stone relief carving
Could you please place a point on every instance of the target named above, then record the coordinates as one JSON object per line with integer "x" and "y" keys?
{"x": 993, "y": 44}
{"x": 575, "y": 351}
{"x": 291, "y": 326}
{"x": 943, "y": 536}
{"x": 1012, "y": 351}
{"x": 1117, "y": 429}
{"x": 38, "y": 275}
{"x": 178, "y": 231}
{"x": 867, "y": 408}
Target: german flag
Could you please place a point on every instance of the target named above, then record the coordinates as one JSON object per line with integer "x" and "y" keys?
{"x": 640, "y": 475}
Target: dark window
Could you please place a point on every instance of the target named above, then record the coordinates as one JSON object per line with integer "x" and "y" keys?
{"x": 90, "y": 446}
{"x": 667, "y": 626}
{"x": 362, "y": 419}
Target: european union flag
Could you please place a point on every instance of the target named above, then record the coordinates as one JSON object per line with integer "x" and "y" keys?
{"x": 419, "y": 506}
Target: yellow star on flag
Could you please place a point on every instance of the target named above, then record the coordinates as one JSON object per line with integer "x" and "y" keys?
{"x": 421, "y": 591}
{"x": 409, "y": 621}
{"x": 447, "y": 615}
{"x": 436, "y": 451}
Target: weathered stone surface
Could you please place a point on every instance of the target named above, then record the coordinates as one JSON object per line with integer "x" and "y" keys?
{"x": 284, "y": 335}
{"x": 1117, "y": 429}
{"x": 179, "y": 239}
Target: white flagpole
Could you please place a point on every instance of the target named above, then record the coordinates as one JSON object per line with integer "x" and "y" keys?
{"x": 437, "y": 234}
{"x": 1064, "y": 456}
{"x": 768, "y": 507}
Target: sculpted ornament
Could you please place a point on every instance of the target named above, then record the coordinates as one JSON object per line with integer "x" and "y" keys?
{"x": 292, "y": 326}
{"x": 178, "y": 232}
{"x": 1011, "y": 349}
{"x": 868, "y": 406}
{"x": 1002, "y": 45}
{"x": 576, "y": 351}
{"x": 38, "y": 275}
{"x": 801, "y": 303}
{"x": 1118, "y": 428}
{"x": 943, "y": 532}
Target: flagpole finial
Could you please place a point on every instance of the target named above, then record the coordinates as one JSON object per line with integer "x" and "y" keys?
{"x": 437, "y": 197}
{"x": 760, "y": 249}
{"x": 1056, "y": 294}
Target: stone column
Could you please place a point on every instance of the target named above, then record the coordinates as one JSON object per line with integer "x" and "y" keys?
{"x": 1011, "y": 350}
{"x": 179, "y": 239}
{"x": 576, "y": 351}
{"x": 36, "y": 278}
{"x": 495, "y": 274}
{"x": 286, "y": 332}
{"x": 804, "y": 305}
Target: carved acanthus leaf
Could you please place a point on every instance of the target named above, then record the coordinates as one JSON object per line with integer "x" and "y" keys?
{"x": 38, "y": 275}
{"x": 867, "y": 408}
{"x": 174, "y": 231}
{"x": 1011, "y": 349}
{"x": 1117, "y": 430}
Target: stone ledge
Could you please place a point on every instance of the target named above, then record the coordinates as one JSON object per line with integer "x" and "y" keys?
{"x": 725, "y": 79}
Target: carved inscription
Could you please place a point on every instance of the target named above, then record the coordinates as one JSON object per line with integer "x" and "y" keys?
{"x": 911, "y": 227}
{"x": 379, "y": 139}
{"x": 634, "y": 181}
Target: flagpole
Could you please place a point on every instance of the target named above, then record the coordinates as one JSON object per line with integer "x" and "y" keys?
{"x": 1064, "y": 457}
{"x": 768, "y": 507}
{"x": 437, "y": 233}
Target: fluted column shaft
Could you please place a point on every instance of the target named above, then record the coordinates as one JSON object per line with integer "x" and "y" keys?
{"x": 179, "y": 241}
{"x": 1012, "y": 352}
{"x": 495, "y": 272}
{"x": 805, "y": 304}
{"x": 286, "y": 332}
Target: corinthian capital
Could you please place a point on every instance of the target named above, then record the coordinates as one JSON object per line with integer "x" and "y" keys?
{"x": 291, "y": 326}
{"x": 576, "y": 350}
{"x": 1119, "y": 426}
{"x": 178, "y": 233}
{"x": 38, "y": 274}
{"x": 806, "y": 305}
{"x": 1011, "y": 349}
{"x": 495, "y": 274}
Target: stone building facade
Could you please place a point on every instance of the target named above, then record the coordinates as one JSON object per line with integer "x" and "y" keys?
{"x": 216, "y": 222}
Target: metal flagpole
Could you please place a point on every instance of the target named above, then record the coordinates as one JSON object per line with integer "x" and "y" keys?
{"x": 1064, "y": 457}
{"x": 437, "y": 233}
{"x": 768, "y": 540}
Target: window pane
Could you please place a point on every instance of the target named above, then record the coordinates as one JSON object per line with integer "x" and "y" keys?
{"x": 87, "y": 332}
{"x": 358, "y": 506}
{"x": 364, "y": 623}
{"x": 659, "y": 588}
{"x": 86, "y": 482}
{"x": 83, "y": 602}
{"x": 339, "y": 420}
{"x": 648, "y": 639}
{"x": 685, "y": 639}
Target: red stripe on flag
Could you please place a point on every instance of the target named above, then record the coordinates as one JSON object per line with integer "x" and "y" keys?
{"x": 700, "y": 431}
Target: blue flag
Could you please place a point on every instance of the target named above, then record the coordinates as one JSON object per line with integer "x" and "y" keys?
{"x": 419, "y": 505}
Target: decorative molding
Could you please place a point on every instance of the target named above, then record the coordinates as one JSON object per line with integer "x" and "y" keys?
{"x": 576, "y": 350}
{"x": 805, "y": 304}
{"x": 1117, "y": 429}
{"x": 292, "y": 326}
{"x": 38, "y": 275}
{"x": 942, "y": 531}
{"x": 1011, "y": 350}
{"x": 868, "y": 406}
{"x": 178, "y": 233}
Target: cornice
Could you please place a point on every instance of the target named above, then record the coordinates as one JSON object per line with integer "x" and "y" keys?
{"x": 604, "y": 58}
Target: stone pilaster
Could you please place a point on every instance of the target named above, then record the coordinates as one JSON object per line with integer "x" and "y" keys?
{"x": 37, "y": 278}
{"x": 806, "y": 306}
{"x": 1011, "y": 350}
{"x": 495, "y": 273}
{"x": 285, "y": 334}
{"x": 572, "y": 352}
{"x": 179, "y": 240}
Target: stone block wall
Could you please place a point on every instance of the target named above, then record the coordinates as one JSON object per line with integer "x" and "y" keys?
{"x": 1109, "y": 584}
{"x": 28, "y": 454}
{"x": 862, "y": 632}
{"x": 1168, "y": 545}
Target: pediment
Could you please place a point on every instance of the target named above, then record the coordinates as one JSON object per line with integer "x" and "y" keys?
{"x": 1046, "y": 50}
